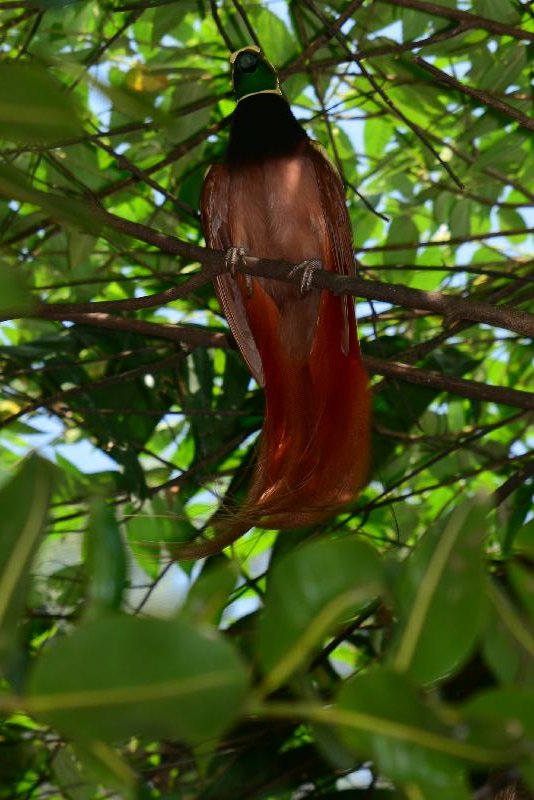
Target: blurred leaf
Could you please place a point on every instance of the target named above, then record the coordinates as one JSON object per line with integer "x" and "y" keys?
{"x": 101, "y": 762}
{"x": 310, "y": 592}
{"x": 34, "y": 107}
{"x": 69, "y": 776}
{"x": 23, "y": 510}
{"x": 106, "y": 560}
{"x": 209, "y": 593}
{"x": 401, "y": 230}
{"x": 442, "y": 578}
{"x": 509, "y": 642}
{"x": 377, "y": 133}
{"x": 14, "y": 293}
{"x": 69, "y": 211}
{"x": 511, "y": 709}
{"x": 382, "y": 718}
{"x": 460, "y": 219}
{"x": 119, "y": 676}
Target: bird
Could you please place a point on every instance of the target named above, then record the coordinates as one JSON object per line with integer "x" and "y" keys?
{"x": 277, "y": 195}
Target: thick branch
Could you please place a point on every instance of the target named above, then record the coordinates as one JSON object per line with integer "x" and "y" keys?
{"x": 452, "y": 308}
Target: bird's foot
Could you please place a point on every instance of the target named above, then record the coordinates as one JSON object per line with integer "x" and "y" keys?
{"x": 308, "y": 267}
{"x": 235, "y": 257}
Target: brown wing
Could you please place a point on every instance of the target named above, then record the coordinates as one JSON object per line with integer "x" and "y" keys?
{"x": 214, "y": 207}
{"x": 338, "y": 226}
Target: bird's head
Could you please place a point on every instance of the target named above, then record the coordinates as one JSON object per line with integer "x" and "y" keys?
{"x": 252, "y": 73}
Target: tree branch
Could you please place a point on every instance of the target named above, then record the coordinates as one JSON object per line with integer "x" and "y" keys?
{"x": 203, "y": 337}
{"x": 486, "y": 98}
{"x": 452, "y": 308}
{"x": 470, "y": 20}
{"x": 450, "y": 383}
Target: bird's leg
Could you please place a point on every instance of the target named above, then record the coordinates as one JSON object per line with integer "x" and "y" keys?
{"x": 308, "y": 267}
{"x": 234, "y": 257}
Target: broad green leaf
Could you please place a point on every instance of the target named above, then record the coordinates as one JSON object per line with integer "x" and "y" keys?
{"x": 23, "y": 511}
{"x": 309, "y": 593}
{"x": 377, "y": 133}
{"x": 510, "y": 709}
{"x": 460, "y": 219}
{"x": 120, "y": 676}
{"x": 383, "y": 718}
{"x": 401, "y": 230}
{"x": 34, "y": 107}
{"x": 441, "y": 579}
{"x": 278, "y": 45}
{"x": 106, "y": 560}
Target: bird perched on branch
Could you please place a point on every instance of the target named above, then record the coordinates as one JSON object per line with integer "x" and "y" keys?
{"x": 278, "y": 196}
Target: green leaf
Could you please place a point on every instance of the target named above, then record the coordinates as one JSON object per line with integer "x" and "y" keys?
{"x": 460, "y": 219}
{"x": 14, "y": 293}
{"x": 503, "y": 649}
{"x": 23, "y": 510}
{"x": 168, "y": 16}
{"x": 442, "y": 578}
{"x": 511, "y": 710}
{"x": 34, "y": 107}
{"x": 104, "y": 766}
{"x": 81, "y": 245}
{"x": 509, "y": 641}
{"x": 106, "y": 560}
{"x": 377, "y": 133}
{"x": 67, "y": 210}
{"x": 119, "y": 676}
{"x": 511, "y": 219}
{"x": 414, "y": 23}
{"x": 276, "y": 42}
{"x": 402, "y": 230}
{"x": 69, "y": 775}
{"x": 309, "y": 592}
{"x": 208, "y": 595}
{"x": 382, "y": 718}
{"x": 500, "y": 10}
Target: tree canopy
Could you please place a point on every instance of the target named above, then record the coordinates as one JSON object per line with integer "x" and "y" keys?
{"x": 387, "y": 653}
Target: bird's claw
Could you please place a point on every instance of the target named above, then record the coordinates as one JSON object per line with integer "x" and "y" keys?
{"x": 308, "y": 267}
{"x": 235, "y": 257}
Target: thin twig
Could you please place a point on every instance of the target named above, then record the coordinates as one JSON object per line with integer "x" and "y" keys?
{"x": 472, "y": 21}
{"x": 385, "y": 97}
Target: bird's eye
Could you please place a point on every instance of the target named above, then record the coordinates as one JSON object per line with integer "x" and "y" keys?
{"x": 248, "y": 62}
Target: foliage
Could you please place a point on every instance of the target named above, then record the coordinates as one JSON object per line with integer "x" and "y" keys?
{"x": 394, "y": 644}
